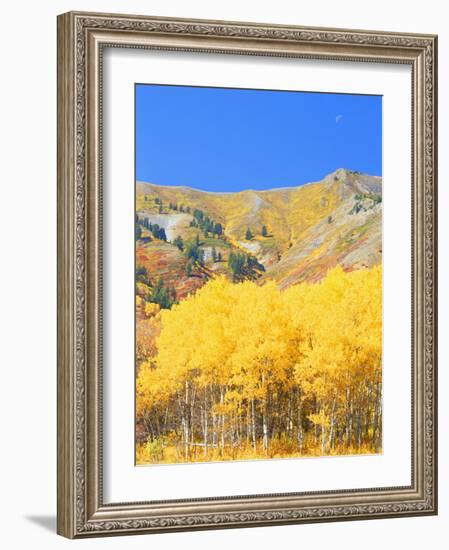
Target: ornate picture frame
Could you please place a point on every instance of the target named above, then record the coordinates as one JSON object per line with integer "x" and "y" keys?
{"x": 82, "y": 39}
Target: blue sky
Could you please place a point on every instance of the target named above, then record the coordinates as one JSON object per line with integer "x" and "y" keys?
{"x": 223, "y": 139}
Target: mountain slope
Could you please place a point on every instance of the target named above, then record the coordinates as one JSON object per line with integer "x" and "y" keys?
{"x": 308, "y": 229}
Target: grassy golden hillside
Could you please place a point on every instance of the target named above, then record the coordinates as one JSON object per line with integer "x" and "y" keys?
{"x": 309, "y": 229}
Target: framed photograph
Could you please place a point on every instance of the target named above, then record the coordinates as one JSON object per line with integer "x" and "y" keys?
{"x": 246, "y": 274}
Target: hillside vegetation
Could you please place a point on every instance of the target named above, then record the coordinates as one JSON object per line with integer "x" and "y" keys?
{"x": 296, "y": 234}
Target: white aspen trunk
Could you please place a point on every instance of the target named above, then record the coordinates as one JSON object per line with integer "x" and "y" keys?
{"x": 265, "y": 431}
{"x": 332, "y": 428}
{"x": 376, "y": 417}
{"x": 290, "y": 423}
{"x": 180, "y": 444}
{"x": 248, "y": 424}
{"x": 378, "y": 438}
{"x": 186, "y": 422}
{"x": 359, "y": 428}
{"x": 222, "y": 421}
{"x": 165, "y": 419}
{"x": 214, "y": 430}
{"x": 253, "y": 423}
{"x": 350, "y": 422}
{"x": 238, "y": 427}
{"x": 323, "y": 440}
{"x": 264, "y": 418}
{"x": 379, "y": 428}
{"x": 300, "y": 434}
{"x": 206, "y": 425}
{"x": 191, "y": 413}
{"x": 348, "y": 412}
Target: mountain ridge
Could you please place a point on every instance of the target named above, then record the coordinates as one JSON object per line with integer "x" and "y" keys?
{"x": 337, "y": 172}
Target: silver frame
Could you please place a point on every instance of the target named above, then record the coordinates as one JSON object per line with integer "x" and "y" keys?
{"x": 81, "y": 40}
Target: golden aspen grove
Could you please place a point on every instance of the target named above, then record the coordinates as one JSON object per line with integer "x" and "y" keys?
{"x": 241, "y": 370}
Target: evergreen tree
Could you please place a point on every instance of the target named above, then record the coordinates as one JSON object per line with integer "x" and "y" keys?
{"x": 178, "y": 241}
{"x": 141, "y": 274}
{"x": 172, "y": 293}
{"x": 201, "y": 257}
{"x": 161, "y": 295}
{"x": 264, "y": 231}
{"x": 158, "y": 232}
{"x": 248, "y": 235}
{"x": 236, "y": 263}
{"x": 189, "y": 268}
{"x": 192, "y": 251}
{"x": 198, "y": 215}
{"x": 251, "y": 261}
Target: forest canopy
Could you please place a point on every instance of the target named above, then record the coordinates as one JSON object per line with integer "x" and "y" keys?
{"x": 249, "y": 371}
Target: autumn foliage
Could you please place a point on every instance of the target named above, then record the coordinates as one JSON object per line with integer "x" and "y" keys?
{"x": 249, "y": 371}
